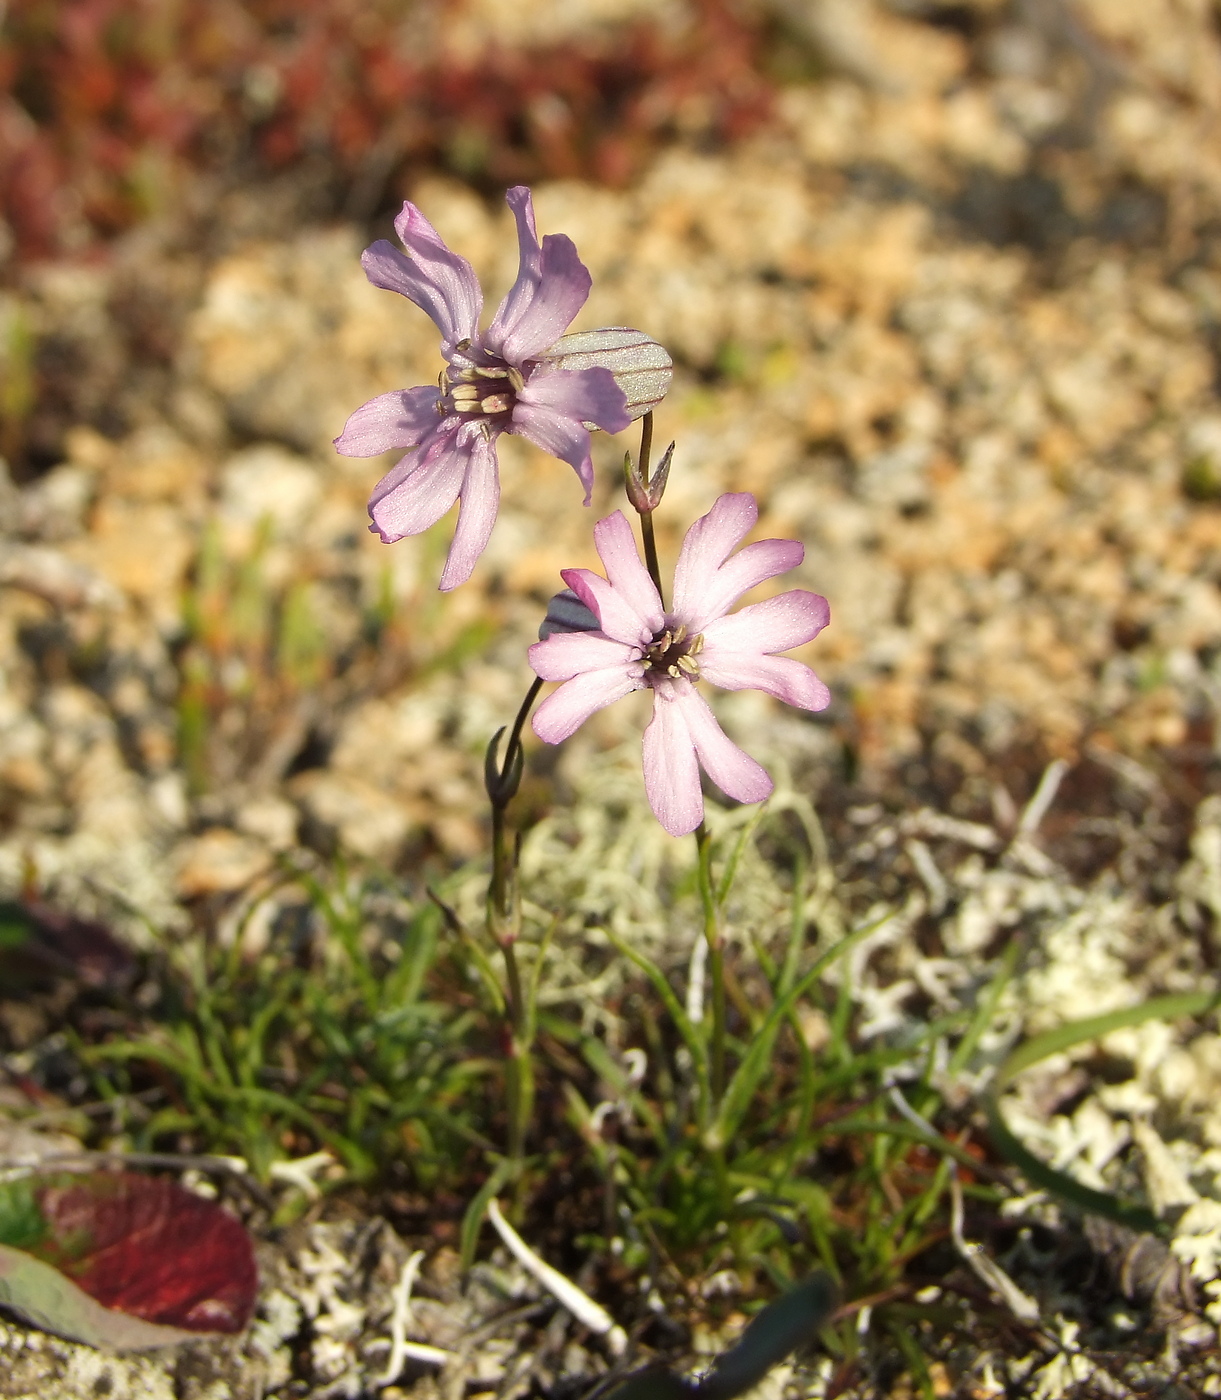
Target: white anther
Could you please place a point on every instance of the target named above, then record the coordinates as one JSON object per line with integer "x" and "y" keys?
{"x": 496, "y": 403}
{"x": 492, "y": 371}
{"x": 516, "y": 380}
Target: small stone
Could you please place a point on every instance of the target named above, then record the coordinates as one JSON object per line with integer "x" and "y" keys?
{"x": 358, "y": 817}
{"x": 219, "y": 862}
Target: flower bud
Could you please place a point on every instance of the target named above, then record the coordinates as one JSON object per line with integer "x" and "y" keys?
{"x": 566, "y": 613}
{"x": 642, "y": 368}
{"x": 645, "y": 496}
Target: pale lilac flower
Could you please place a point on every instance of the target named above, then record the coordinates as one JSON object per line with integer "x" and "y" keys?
{"x": 496, "y": 381}
{"x": 641, "y": 646}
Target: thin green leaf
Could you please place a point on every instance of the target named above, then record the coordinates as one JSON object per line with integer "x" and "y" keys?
{"x": 750, "y": 1072}
{"x": 472, "y": 1220}
{"x": 1053, "y": 1042}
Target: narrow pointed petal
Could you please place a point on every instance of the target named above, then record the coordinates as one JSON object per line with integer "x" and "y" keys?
{"x": 754, "y": 564}
{"x": 529, "y": 267}
{"x": 480, "y": 495}
{"x": 627, "y": 575}
{"x": 540, "y": 306}
{"x": 734, "y": 772}
{"x": 399, "y": 419}
{"x": 416, "y": 493}
{"x": 776, "y": 624}
{"x": 588, "y": 396}
{"x": 440, "y": 282}
{"x": 565, "y": 438}
{"x": 706, "y": 546}
{"x": 781, "y": 676}
{"x": 567, "y": 710}
{"x": 616, "y": 614}
{"x": 671, "y": 772}
{"x": 567, "y": 654}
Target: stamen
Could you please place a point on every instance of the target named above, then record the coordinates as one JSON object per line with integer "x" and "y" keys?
{"x": 465, "y": 393}
{"x": 516, "y": 380}
{"x": 492, "y": 371}
{"x": 443, "y": 382}
{"x": 673, "y": 651}
{"x": 463, "y": 344}
{"x": 496, "y": 403}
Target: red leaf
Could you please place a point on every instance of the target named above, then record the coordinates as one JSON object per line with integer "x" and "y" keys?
{"x": 149, "y": 1248}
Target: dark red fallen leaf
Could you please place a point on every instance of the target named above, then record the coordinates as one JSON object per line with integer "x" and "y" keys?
{"x": 142, "y": 1246}
{"x": 40, "y": 942}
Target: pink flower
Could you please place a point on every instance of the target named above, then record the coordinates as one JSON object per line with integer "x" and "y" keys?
{"x": 641, "y": 645}
{"x": 496, "y": 381}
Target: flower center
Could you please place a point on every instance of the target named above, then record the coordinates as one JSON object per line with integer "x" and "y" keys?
{"x": 672, "y": 653}
{"x": 479, "y": 384}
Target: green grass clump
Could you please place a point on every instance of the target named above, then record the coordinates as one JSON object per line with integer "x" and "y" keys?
{"x": 348, "y": 1030}
{"x": 368, "y": 1021}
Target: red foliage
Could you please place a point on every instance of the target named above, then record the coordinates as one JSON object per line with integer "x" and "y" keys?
{"x": 149, "y": 1248}
{"x": 105, "y": 104}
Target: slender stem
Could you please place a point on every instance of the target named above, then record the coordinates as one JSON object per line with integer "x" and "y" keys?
{"x": 519, "y": 723}
{"x": 499, "y": 898}
{"x": 646, "y": 445}
{"x": 650, "y": 552}
{"x": 504, "y": 928}
{"x": 646, "y": 516}
{"x": 716, "y": 961}
{"x": 500, "y": 895}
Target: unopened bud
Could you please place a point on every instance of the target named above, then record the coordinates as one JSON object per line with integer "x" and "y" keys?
{"x": 642, "y": 368}
{"x": 566, "y": 613}
{"x": 645, "y": 496}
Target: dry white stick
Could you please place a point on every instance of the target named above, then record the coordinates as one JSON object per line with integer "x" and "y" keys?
{"x": 400, "y": 1348}
{"x": 1044, "y": 796}
{"x": 986, "y": 1269}
{"x": 579, "y": 1304}
{"x": 696, "y": 970}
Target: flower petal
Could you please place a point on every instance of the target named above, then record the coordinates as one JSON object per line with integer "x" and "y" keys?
{"x": 734, "y": 772}
{"x": 529, "y": 267}
{"x": 618, "y": 618}
{"x": 565, "y": 438}
{"x": 671, "y": 772}
{"x": 480, "y": 496}
{"x": 552, "y": 285}
{"x": 706, "y": 546}
{"x": 400, "y": 418}
{"x": 568, "y": 654}
{"x": 781, "y": 676}
{"x": 776, "y": 624}
{"x": 616, "y": 546}
{"x": 588, "y": 395}
{"x": 438, "y": 281}
{"x": 707, "y": 582}
{"x": 416, "y": 493}
{"x": 564, "y": 712}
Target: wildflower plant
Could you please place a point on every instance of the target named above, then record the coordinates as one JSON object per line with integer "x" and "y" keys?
{"x": 711, "y": 1159}
{"x": 604, "y": 636}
